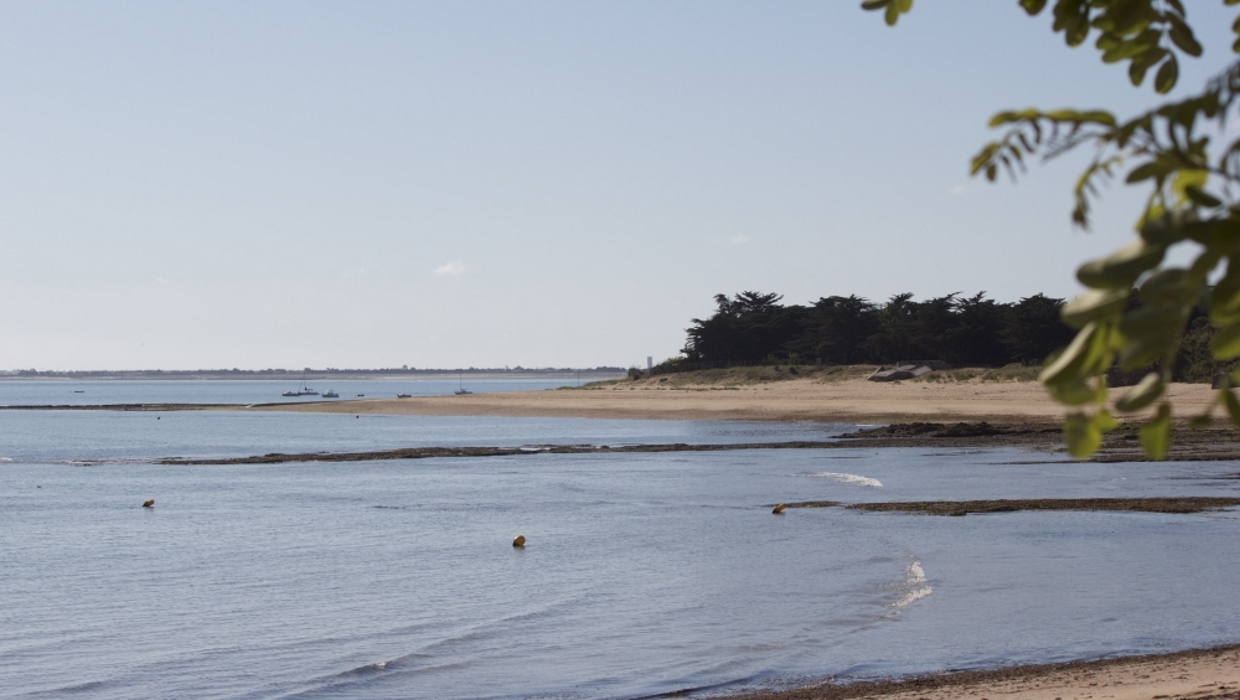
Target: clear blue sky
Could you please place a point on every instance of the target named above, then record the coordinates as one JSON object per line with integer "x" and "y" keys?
{"x": 289, "y": 184}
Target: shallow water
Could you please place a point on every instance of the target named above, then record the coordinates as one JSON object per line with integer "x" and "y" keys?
{"x": 643, "y": 573}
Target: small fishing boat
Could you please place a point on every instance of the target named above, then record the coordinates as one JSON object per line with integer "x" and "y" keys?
{"x": 404, "y": 396}
{"x": 329, "y": 394}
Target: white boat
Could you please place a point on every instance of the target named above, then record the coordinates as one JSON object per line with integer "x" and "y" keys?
{"x": 303, "y": 391}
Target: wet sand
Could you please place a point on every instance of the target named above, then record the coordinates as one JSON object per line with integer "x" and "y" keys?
{"x": 845, "y": 401}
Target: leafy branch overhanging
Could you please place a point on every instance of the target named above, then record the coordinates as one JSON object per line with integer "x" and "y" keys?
{"x": 1193, "y": 201}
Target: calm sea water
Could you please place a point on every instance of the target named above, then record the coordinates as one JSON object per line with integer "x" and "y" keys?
{"x": 58, "y": 392}
{"x": 643, "y": 573}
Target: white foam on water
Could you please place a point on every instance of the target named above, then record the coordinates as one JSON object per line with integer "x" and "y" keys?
{"x": 913, "y": 596}
{"x": 914, "y": 586}
{"x": 854, "y": 479}
{"x": 915, "y": 573}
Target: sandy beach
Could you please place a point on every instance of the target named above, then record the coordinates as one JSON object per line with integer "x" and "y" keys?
{"x": 844, "y": 401}
{"x": 1210, "y": 674}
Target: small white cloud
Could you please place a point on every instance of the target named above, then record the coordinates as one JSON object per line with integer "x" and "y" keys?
{"x": 738, "y": 240}
{"x": 354, "y": 273}
{"x": 960, "y": 189}
{"x": 455, "y": 268}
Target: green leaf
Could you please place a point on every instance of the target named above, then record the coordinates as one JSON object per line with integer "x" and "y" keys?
{"x": 1009, "y": 117}
{"x": 1153, "y": 322}
{"x": 1202, "y": 198}
{"x": 1165, "y": 79}
{"x": 1169, "y": 286}
{"x": 874, "y": 4}
{"x": 1154, "y": 168}
{"x": 1140, "y": 352}
{"x": 1064, "y": 115}
{"x": 1080, "y": 354}
{"x": 1082, "y": 435}
{"x": 1143, "y": 394}
{"x": 1186, "y": 178}
{"x": 1182, "y": 36}
{"x": 1098, "y": 116}
{"x": 895, "y": 8}
{"x": 1142, "y": 63}
{"x": 1094, "y": 305}
{"x": 1156, "y": 435}
{"x": 1105, "y": 421}
{"x": 1076, "y": 392}
{"x": 1121, "y": 268}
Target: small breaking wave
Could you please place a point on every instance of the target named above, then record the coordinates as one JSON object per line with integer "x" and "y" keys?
{"x": 854, "y": 479}
{"x": 915, "y": 587}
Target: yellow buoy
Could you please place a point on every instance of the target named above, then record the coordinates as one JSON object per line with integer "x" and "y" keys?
{"x": 779, "y": 509}
{"x": 149, "y": 504}
{"x": 519, "y": 542}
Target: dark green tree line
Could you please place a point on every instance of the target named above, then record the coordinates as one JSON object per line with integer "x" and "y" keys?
{"x": 752, "y": 328}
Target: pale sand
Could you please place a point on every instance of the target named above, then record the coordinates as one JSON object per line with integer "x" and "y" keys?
{"x": 1199, "y": 675}
{"x": 846, "y": 401}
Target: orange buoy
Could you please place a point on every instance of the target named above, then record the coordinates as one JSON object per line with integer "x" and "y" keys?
{"x": 779, "y": 509}
{"x": 149, "y": 504}
{"x": 519, "y": 542}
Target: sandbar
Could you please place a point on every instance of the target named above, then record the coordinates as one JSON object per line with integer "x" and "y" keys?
{"x": 854, "y": 401}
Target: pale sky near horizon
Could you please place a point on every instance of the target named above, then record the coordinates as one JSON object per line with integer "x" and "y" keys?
{"x": 453, "y": 184}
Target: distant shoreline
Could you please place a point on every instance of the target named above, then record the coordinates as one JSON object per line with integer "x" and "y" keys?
{"x": 593, "y": 374}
